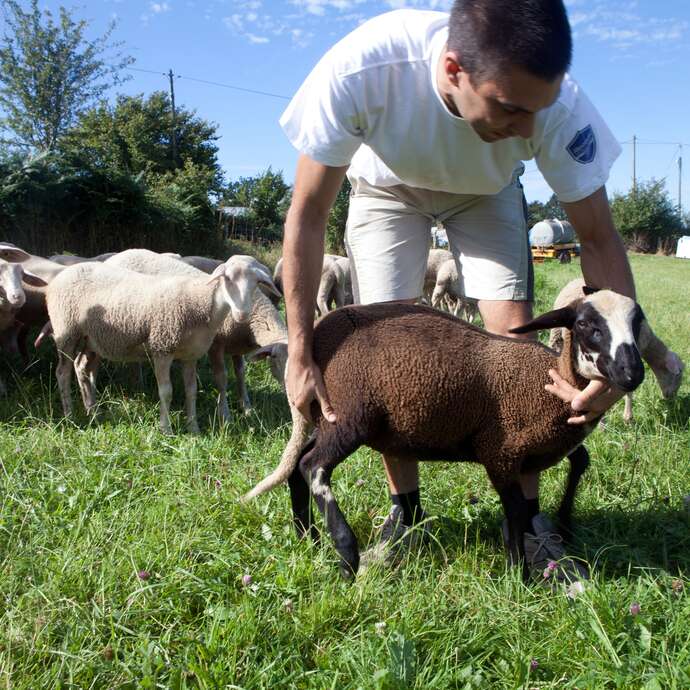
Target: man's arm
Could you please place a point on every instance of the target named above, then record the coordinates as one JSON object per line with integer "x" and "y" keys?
{"x": 315, "y": 189}
{"x": 603, "y": 258}
{"x": 604, "y": 265}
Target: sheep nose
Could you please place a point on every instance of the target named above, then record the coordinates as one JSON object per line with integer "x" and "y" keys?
{"x": 628, "y": 368}
{"x": 16, "y": 299}
{"x": 241, "y": 315}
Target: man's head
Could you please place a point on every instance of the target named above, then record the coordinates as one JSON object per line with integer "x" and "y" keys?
{"x": 504, "y": 61}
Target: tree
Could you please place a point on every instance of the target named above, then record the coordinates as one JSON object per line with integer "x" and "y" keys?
{"x": 134, "y": 135}
{"x": 646, "y": 218}
{"x": 267, "y": 196}
{"x": 50, "y": 72}
{"x": 337, "y": 219}
{"x": 537, "y": 211}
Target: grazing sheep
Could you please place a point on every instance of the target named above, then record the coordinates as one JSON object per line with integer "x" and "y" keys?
{"x": 666, "y": 364}
{"x": 436, "y": 258}
{"x": 417, "y": 383}
{"x": 263, "y": 334}
{"x": 109, "y": 312}
{"x": 449, "y": 292}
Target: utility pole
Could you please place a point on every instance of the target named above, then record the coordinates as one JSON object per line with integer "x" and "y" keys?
{"x": 680, "y": 180}
{"x": 634, "y": 165}
{"x": 173, "y": 137}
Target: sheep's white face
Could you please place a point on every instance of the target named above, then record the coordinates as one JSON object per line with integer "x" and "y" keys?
{"x": 11, "y": 289}
{"x": 605, "y": 334}
{"x": 240, "y": 275}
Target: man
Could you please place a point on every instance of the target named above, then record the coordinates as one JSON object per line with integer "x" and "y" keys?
{"x": 431, "y": 117}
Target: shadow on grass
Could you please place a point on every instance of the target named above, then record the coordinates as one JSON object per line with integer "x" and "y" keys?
{"x": 616, "y": 543}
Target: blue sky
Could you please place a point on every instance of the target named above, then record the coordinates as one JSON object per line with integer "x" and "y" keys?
{"x": 632, "y": 57}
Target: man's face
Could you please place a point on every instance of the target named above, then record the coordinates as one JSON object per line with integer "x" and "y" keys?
{"x": 502, "y": 107}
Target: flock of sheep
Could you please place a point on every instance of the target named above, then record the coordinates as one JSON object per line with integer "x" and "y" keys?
{"x": 106, "y": 307}
{"x": 405, "y": 380}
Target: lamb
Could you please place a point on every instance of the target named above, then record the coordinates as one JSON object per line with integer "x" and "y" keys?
{"x": 416, "y": 382}
{"x": 263, "y": 335}
{"x": 666, "y": 364}
{"x": 122, "y": 315}
{"x": 449, "y": 292}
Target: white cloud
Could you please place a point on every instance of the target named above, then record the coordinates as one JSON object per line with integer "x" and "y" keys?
{"x": 159, "y": 7}
{"x": 252, "y": 38}
{"x": 620, "y": 25}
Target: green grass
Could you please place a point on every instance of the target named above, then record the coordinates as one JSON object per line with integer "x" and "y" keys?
{"x": 85, "y": 507}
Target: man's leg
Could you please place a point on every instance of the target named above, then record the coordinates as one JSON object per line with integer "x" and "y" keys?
{"x": 499, "y": 317}
{"x": 387, "y": 240}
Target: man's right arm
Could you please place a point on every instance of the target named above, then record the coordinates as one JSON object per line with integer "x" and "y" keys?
{"x": 315, "y": 189}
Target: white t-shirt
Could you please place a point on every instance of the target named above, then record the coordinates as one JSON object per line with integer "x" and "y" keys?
{"x": 372, "y": 103}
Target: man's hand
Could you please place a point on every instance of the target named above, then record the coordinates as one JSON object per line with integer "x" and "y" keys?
{"x": 591, "y": 402}
{"x": 304, "y": 384}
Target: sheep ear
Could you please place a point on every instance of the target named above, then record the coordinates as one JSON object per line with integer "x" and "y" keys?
{"x": 12, "y": 253}
{"x": 589, "y": 290}
{"x": 219, "y": 272}
{"x": 558, "y": 318}
{"x": 32, "y": 279}
{"x": 267, "y": 282}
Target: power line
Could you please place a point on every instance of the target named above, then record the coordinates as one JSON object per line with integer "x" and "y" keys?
{"x": 213, "y": 83}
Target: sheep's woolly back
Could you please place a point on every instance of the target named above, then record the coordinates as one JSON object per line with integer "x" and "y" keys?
{"x": 265, "y": 325}
{"x": 127, "y": 316}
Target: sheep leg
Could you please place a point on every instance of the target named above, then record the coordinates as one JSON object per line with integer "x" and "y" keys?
{"x": 579, "y": 462}
{"x": 63, "y": 372}
{"x": 86, "y": 365}
{"x": 161, "y": 367}
{"x": 190, "y": 388}
{"x": 339, "y": 295}
{"x": 317, "y": 466}
{"x": 515, "y": 507}
{"x": 245, "y": 402}
{"x": 628, "y": 410}
{"x": 300, "y": 498}
{"x": 216, "y": 356}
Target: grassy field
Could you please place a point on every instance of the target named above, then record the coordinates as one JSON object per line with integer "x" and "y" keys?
{"x": 127, "y": 562}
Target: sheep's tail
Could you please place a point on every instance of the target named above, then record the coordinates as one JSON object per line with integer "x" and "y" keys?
{"x": 45, "y": 332}
{"x": 301, "y": 427}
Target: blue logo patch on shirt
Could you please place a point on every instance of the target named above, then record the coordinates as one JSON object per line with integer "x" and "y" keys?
{"x": 583, "y": 146}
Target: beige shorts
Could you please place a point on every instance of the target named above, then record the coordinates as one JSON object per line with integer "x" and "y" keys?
{"x": 388, "y": 240}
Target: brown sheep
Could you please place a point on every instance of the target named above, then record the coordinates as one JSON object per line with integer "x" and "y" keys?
{"x": 414, "y": 382}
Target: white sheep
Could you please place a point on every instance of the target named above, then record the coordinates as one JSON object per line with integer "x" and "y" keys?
{"x": 332, "y": 284}
{"x": 264, "y": 334}
{"x": 122, "y": 315}
{"x": 666, "y": 364}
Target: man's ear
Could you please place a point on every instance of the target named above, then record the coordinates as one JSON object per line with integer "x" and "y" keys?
{"x": 558, "y": 318}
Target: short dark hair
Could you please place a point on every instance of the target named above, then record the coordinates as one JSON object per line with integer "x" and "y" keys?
{"x": 490, "y": 35}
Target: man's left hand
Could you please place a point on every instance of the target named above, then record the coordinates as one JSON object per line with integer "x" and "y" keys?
{"x": 591, "y": 402}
